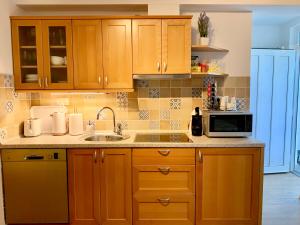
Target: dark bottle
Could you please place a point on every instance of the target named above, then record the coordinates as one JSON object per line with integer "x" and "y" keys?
{"x": 197, "y": 123}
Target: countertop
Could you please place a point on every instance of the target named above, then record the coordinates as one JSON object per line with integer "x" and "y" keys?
{"x": 68, "y": 141}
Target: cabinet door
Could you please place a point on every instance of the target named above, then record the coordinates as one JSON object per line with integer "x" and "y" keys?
{"x": 87, "y": 50}
{"x": 117, "y": 54}
{"x": 116, "y": 194}
{"x": 228, "y": 186}
{"x": 27, "y": 53}
{"x": 146, "y": 39}
{"x": 84, "y": 187}
{"x": 176, "y": 46}
{"x": 58, "y": 59}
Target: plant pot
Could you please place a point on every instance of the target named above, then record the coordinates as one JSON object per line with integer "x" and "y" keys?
{"x": 204, "y": 41}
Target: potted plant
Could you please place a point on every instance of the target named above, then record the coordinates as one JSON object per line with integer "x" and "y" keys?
{"x": 203, "y": 23}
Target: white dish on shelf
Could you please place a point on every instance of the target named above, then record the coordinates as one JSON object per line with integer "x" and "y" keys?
{"x": 57, "y": 60}
{"x": 30, "y": 76}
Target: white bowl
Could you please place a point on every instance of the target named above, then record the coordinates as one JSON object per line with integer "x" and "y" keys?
{"x": 57, "y": 60}
{"x": 31, "y": 76}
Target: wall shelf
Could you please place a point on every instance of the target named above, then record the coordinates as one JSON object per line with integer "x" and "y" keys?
{"x": 202, "y": 48}
{"x": 201, "y": 74}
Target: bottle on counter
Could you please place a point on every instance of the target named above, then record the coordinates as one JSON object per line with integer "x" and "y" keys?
{"x": 197, "y": 123}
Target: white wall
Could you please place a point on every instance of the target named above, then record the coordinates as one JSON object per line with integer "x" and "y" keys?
{"x": 232, "y": 31}
{"x": 267, "y": 36}
{"x": 5, "y": 44}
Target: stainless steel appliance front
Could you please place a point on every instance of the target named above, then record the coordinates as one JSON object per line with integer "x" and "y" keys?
{"x": 227, "y": 124}
{"x": 35, "y": 186}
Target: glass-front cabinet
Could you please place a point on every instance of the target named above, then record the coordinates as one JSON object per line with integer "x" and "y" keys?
{"x": 41, "y": 49}
{"x": 57, "y": 46}
{"x": 27, "y": 53}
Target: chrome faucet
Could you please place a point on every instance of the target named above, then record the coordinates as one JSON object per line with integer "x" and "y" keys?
{"x": 117, "y": 129}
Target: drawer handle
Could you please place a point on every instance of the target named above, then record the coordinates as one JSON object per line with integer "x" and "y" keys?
{"x": 164, "y": 152}
{"x": 164, "y": 201}
{"x": 164, "y": 170}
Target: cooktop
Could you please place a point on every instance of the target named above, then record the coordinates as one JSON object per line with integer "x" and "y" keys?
{"x": 162, "y": 137}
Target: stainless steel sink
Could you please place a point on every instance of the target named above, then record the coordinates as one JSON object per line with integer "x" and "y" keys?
{"x": 106, "y": 137}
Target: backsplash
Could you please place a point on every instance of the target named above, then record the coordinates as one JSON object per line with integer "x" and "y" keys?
{"x": 155, "y": 104}
{"x": 14, "y": 108}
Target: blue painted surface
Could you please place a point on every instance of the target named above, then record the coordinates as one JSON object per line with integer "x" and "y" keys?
{"x": 271, "y": 102}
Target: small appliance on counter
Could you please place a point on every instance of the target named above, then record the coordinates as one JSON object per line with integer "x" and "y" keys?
{"x": 227, "y": 124}
{"x": 32, "y": 127}
{"x": 196, "y": 123}
{"x": 44, "y": 113}
{"x": 75, "y": 124}
{"x": 59, "y": 123}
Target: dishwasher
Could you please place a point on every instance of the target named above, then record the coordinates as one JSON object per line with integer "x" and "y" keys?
{"x": 35, "y": 186}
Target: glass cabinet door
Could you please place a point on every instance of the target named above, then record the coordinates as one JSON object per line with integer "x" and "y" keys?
{"x": 57, "y": 40}
{"x": 27, "y": 53}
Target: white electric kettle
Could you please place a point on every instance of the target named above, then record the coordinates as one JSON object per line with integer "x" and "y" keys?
{"x": 32, "y": 127}
{"x": 59, "y": 123}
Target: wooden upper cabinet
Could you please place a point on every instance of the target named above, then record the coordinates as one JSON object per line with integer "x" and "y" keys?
{"x": 146, "y": 39}
{"x": 27, "y": 54}
{"x": 87, "y": 50}
{"x": 57, "y": 52}
{"x": 117, "y": 53}
{"x": 176, "y": 46}
{"x": 116, "y": 194}
{"x": 228, "y": 186}
{"x": 84, "y": 186}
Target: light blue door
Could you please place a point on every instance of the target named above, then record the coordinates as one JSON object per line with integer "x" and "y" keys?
{"x": 296, "y": 165}
{"x": 271, "y": 102}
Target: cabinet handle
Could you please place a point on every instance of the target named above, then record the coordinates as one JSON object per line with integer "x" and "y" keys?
{"x": 199, "y": 156}
{"x": 164, "y": 201}
{"x": 165, "y": 66}
{"x": 99, "y": 79}
{"x": 158, "y": 66}
{"x": 106, "y": 80}
{"x": 40, "y": 82}
{"x": 46, "y": 81}
{"x": 164, "y": 170}
{"x": 102, "y": 156}
{"x": 95, "y": 156}
{"x": 164, "y": 152}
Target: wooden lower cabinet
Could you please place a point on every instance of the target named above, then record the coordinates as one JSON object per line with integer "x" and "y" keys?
{"x": 163, "y": 186}
{"x": 100, "y": 186}
{"x": 228, "y": 186}
{"x": 116, "y": 194}
{"x": 84, "y": 187}
{"x": 209, "y": 186}
{"x": 164, "y": 208}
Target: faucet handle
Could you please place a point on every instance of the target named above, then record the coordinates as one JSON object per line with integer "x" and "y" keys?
{"x": 119, "y": 129}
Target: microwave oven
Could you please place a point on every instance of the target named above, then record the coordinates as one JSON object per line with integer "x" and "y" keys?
{"x": 227, "y": 124}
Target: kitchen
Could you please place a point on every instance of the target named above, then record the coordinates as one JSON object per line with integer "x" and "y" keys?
{"x": 139, "y": 105}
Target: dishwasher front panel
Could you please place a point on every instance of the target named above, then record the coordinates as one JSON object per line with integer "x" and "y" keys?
{"x": 35, "y": 186}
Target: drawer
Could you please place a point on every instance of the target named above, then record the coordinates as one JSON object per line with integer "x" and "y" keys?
{"x": 179, "y": 178}
{"x": 163, "y": 156}
{"x": 164, "y": 210}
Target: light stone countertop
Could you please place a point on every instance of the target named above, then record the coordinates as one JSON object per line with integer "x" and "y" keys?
{"x": 67, "y": 141}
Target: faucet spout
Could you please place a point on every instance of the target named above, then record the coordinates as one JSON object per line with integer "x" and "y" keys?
{"x": 114, "y": 118}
